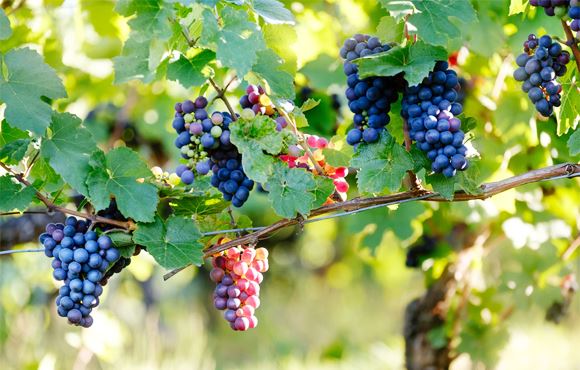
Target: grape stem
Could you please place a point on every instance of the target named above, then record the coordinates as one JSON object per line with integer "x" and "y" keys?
{"x": 221, "y": 94}
{"x": 53, "y": 207}
{"x": 487, "y": 190}
{"x": 572, "y": 41}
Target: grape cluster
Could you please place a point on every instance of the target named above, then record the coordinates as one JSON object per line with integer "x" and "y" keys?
{"x": 257, "y": 100}
{"x": 369, "y": 99}
{"x": 430, "y": 109}
{"x": 205, "y": 141}
{"x": 81, "y": 258}
{"x": 552, "y": 7}
{"x": 420, "y": 251}
{"x": 541, "y": 63}
{"x": 238, "y": 274}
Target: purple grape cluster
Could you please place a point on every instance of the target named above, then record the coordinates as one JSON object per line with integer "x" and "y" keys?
{"x": 541, "y": 63}
{"x": 552, "y": 7}
{"x": 369, "y": 99}
{"x": 81, "y": 258}
{"x": 574, "y": 14}
{"x": 207, "y": 144}
{"x": 431, "y": 109}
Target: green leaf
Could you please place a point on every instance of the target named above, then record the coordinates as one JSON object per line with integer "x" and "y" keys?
{"x": 390, "y": 30}
{"x": 433, "y": 20}
{"x": 68, "y": 149}
{"x": 517, "y": 6}
{"x": 415, "y": 60}
{"x": 26, "y": 81}
{"x": 202, "y": 204}
{"x": 574, "y": 143}
{"x": 383, "y": 165}
{"x": 173, "y": 244}
{"x": 13, "y": 143}
{"x": 5, "y": 30}
{"x": 273, "y": 11}
{"x": 340, "y": 154}
{"x": 270, "y": 68}
{"x": 117, "y": 173}
{"x": 151, "y": 18}
{"x": 323, "y": 72}
{"x": 442, "y": 185}
{"x": 568, "y": 114}
{"x": 13, "y": 152}
{"x": 14, "y": 196}
{"x": 399, "y": 9}
{"x": 254, "y": 139}
{"x": 291, "y": 190}
{"x": 324, "y": 189}
{"x": 237, "y": 41}
{"x": 133, "y": 62}
{"x": 190, "y": 72}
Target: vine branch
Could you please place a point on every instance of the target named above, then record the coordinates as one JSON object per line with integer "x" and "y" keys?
{"x": 221, "y": 94}
{"x": 566, "y": 170}
{"x": 53, "y": 207}
{"x": 571, "y": 41}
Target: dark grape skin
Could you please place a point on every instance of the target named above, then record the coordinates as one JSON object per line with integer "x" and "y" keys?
{"x": 72, "y": 264}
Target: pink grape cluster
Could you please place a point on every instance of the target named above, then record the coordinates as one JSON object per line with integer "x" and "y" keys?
{"x": 238, "y": 274}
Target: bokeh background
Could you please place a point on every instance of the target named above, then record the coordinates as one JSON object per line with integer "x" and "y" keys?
{"x": 336, "y": 292}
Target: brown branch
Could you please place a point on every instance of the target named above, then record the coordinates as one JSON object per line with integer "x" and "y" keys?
{"x": 566, "y": 170}
{"x": 53, "y": 207}
{"x": 572, "y": 43}
{"x": 221, "y": 94}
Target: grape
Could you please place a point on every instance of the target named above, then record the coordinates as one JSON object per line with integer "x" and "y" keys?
{"x": 75, "y": 260}
{"x": 544, "y": 61}
{"x": 430, "y": 110}
{"x": 236, "y": 272}
{"x": 369, "y": 99}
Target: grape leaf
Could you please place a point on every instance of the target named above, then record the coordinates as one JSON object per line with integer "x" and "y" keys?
{"x": 255, "y": 138}
{"x": 390, "y": 30}
{"x": 202, "y": 204}
{"x": 123, "y": 242}
{"x": 433, "y": 23}
{"x": 415, "y": 60}
{"x": 291, "y": 190}
{"x": 383, "y": 165}
{"x": 324, "y": 189}
{"x": 5, "y": 30}
{"x": 101, "y": 15}
{"x": 442, "y": 185}
{"x": 26, "y": 81}
{"x": 574, "y": 143}
{"x": 133, "y": 63}
{"x": 151, "y": 18}
{"x": 517, "y": 6}
{"x": 273, "y": 11}
{"x": 117, "y": 173}
{"x": 13, "y": 143}
{"x": 190, "y": 72}
{"x": 340, "y": 154}
{"x": 173, "y": 244}
{"x": 237, "y": 41}
{"x": 568, "y": 113}
{"x": 399, "y": 9}
{"x": 13, "y": 195}
{"x": 68, "y": 148}
{"x": 323, "y": 72}
{"x": 269, "y": 67}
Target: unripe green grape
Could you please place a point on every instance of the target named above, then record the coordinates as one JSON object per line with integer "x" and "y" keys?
{"x": 248, "y": 114}
{"x": 190, "y": 153}
{"x": 184, "y": 149}
{"x": 216, "y": 131}
{"x": 188, "y": 117}
{"x": 561, "y": 11}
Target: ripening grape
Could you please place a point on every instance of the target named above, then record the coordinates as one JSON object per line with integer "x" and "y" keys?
{"x": 80, "y": 260}
{"x": 204, "y": 140}
{"x": 552, "y": 8}
{"x": 257, "y": 100}
{"x": 430, "y": 109}
{"x": 238, "y": 274}
{"x": 541, "y": 63}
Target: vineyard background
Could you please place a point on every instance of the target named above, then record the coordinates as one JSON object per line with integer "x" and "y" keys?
{"x": 337, "y": 290}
